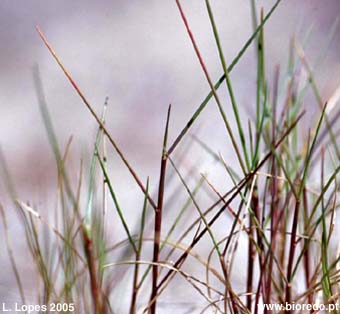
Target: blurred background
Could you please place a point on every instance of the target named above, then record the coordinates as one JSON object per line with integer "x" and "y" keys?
{"x": 139, "y": 55}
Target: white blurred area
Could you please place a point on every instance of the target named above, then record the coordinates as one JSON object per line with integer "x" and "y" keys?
{"x": 139, "y": 55}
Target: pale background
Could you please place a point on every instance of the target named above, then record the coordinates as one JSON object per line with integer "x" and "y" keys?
{"x": 139, "y": 55}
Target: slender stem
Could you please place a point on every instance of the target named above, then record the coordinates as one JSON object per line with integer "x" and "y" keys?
{"x": 229, "y": 85}
{"x": 292, "y": 248}
{"x": 206, "y": 73}
{"x": 246, "y": 180}
{"x": 307, "y": 252}
{"x": 135, "y": 287}
{"x": 100, "y": 123}
{"x": 221, "y": 79}
{"x": 158, "y": 217}
{"x": 274, "y": 192}
{"x": 97, "y": 294}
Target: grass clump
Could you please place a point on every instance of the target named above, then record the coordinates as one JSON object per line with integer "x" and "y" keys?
{"x": 282, "y": 204}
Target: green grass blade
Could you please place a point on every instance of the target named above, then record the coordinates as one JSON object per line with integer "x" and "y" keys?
{"x": 222, "y": 78}
{"x": 88, "y": 217}
{"x": 228, "y": 83}
{"x": 114, "y": 198}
